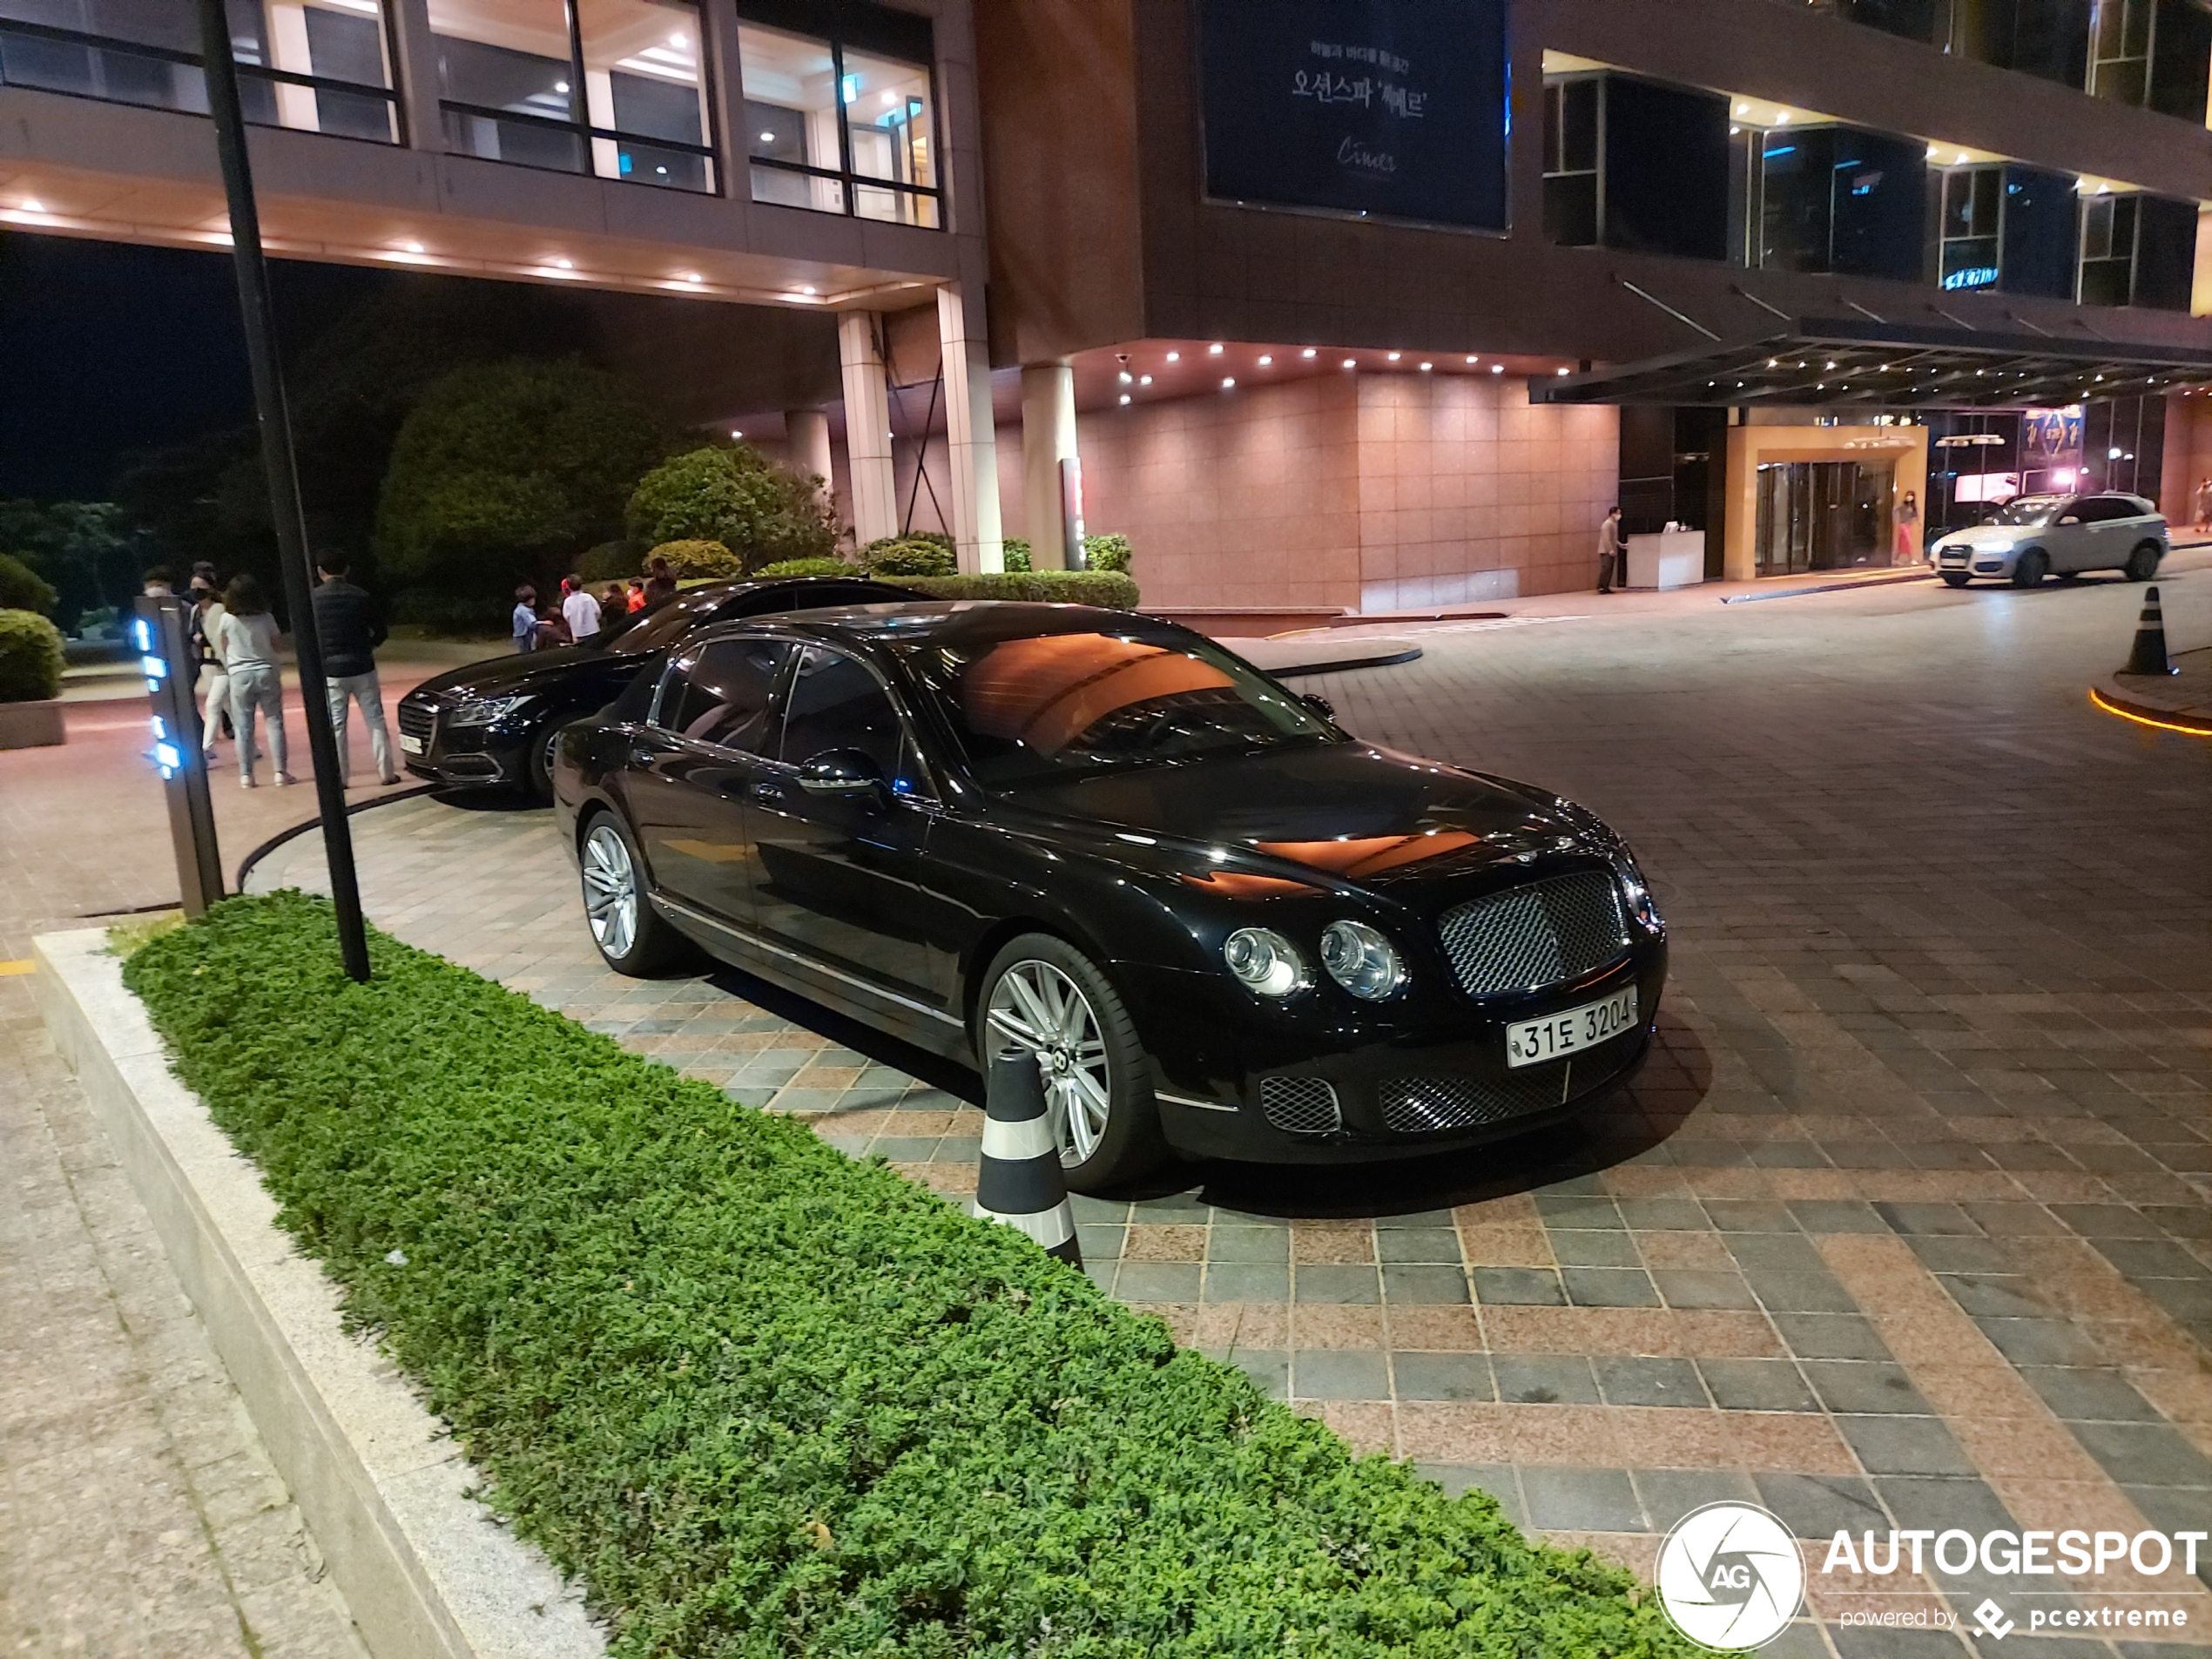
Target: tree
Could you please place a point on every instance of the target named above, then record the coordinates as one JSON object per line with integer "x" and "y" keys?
{"x": 89, "y": 551}
{"x": 733, "y": 495}
{"x": 504, "y": 471}
{"x": 23, "y": 587}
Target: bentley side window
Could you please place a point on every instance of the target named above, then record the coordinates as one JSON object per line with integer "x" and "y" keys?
{"x": 836, "y": 704}
{"x": 721, "y": 695}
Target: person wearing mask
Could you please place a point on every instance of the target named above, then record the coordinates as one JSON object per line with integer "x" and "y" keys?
{"x": 248, "y": 636}
{"x": 159, "y": 583}
{"x": 350, "y": 631}
{"x": 215, "y": 705}
{"x": 526, "y": 618}
{"x": 578, "y": 608}
{"x": 1609, "y": 552}
{"x": 636, "y": 593}
{"x": 660, "y": 582}
{"x": 1908, "y": 528}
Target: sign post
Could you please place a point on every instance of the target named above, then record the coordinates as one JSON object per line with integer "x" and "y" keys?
{"x": 179, "y": 754}
{"x": 284, "y": 511}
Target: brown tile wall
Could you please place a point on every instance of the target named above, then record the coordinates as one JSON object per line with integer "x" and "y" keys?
{"x": 1373, "y": 492}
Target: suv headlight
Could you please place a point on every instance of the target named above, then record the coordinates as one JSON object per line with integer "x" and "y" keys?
{"x": 484, "y": 710}
{"x": 1266, "y": 961}
{"x": 1362, "y": 960}
{"x": 1634, "y": 889}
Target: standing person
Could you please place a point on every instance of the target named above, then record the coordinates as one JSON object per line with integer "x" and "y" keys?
{"x": 1908, "y": 528}
{"x": 1609, "y": 553}
{"x": 614, "y": 604}
{"x": 248, "y": 638}
{"x": 526, "y": 618}
{"x": 159, "y": 583}
{"x": 660, "y": 582}
{"x": 578, "y": 608}
{"x": 215, "y": 707}
{"x": 636, "y": 593}
{"x": 2204, "y": 504}
{"x": 350, "y": 630}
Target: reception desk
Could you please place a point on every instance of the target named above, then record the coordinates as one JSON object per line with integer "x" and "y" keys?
{"x": 1668, "y": 559}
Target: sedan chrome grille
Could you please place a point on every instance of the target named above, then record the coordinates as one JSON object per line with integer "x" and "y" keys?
{"x": 1300, "y": 1105}
{"x": 1420, "y": 1105}
{"x": 417, "y": 719}
{"x": 1527, "y": 938}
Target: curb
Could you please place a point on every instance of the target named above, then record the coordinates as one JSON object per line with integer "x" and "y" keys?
{"x": 353, "y": 810}
{"x": 427, "y": 1572}
{"x": 1851, "y": 586}
{"x": 2113, "y": 699}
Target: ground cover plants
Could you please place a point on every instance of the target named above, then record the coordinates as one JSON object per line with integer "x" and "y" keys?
{"x": 765, "y": 1401}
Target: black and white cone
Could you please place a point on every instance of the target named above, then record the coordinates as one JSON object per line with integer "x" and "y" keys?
{"x": 2149, "y": 655}
{"x": 1020, "y": 1182}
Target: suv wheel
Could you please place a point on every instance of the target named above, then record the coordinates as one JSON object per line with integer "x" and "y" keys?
{"x": 2031, "y": 567}
{"x": 632, "y": 937}
{"x": 2142, "y": 563}
{"x": 1043, "y": 995}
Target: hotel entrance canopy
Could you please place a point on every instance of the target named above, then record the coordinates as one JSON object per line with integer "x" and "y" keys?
{"x": 1833, "y": 362}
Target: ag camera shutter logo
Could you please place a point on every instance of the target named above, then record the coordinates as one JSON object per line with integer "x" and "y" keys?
{"x": 1730, "y": 1576}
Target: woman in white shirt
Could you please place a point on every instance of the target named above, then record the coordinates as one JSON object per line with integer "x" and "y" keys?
{"x": 247, "y": 637}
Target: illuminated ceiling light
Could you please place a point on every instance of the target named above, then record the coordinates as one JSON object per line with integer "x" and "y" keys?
{"x": 564, "y": 264}
{"x": 1782, "y": 117}
{"x": 1229, "y": 385}
{"x": 1732, "y": 132}
{"x": 1497, "y": 369}
{"x": 1265, "y": 362}
{"x": 736, "y": 434}
{"x": 30, "y": 205}
{"x": 1395, "y": 356}
{"x": 1214, "y": 350}
{"x": 1560, "y": 373}
{"x": 890, "y": 100}
{"x": 1174, "y": 357}
{"x": 808, "y": 291}
{"x": 1349, "y": 363}
{"x": 1772, "y": 363}
{"x": 1427, "y": 367}
{"x": 1127, "y": 378}
{"x": 676, "y": 39}
{"x": 412, "y": 247}
{"x": 1308, "y": 352}
{"x": 692, "y": 276}
{"x": 1743, "y": 109}
{"x": 1143, "y": 380}
{"x": 1960, "y": 158}
{"x": 1934, "y": 151}
{"x": 560, "y": 86}
{"x": 767, "y": 137}
{"x": 1472, "y": 360}
{"x": 1125, "y": 397}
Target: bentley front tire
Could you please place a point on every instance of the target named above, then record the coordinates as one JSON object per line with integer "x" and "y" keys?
{"x": 632, "y": 937}
{"x": 1045, "y": 996}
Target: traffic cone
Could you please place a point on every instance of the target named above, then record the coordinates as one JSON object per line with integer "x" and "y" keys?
{"x": 1020, "y": 1181}
{"x": 2149, "y": 655}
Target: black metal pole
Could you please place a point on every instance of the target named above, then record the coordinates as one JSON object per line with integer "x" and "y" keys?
{"x": 284, "y": 511}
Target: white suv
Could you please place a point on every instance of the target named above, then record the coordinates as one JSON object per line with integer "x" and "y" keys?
{"x": 2033, "y": 536}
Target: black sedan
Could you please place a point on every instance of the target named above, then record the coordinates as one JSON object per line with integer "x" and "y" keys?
{"x": 495, "y": 723}
{"x": 1224, "y": 927}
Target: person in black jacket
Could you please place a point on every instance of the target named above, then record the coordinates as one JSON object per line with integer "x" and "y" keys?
{"x": 350, "y": 630}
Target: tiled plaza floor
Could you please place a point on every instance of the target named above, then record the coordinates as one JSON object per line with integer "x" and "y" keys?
{"x": 1906, "y": 1225}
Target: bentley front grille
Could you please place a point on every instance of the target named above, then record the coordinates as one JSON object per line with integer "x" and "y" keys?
{"x": 1527, "y": 938}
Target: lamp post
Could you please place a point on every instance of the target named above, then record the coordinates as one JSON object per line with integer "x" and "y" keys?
{"x": 285, "y": 513}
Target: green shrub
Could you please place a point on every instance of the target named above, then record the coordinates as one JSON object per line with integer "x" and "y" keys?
{"x": 31, "y": 658}
{"x": 1108, "y": 552}
{"x": 764, "y": 1400}
{"x": 1107, "y": 588}
{"x": 733, "y": 495}
{"x": 23, "y": 587}
{"x": 698, "y": 560}
{"x": 807, "y": 567}
{"x": 615, "y": 561}
{"x": 917, "y": 553}
{"x": 1017, "y": 553}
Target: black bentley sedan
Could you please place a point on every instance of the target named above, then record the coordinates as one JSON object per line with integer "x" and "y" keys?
{"x": 1224, "y": 926}
{"x": 494, "y": 722}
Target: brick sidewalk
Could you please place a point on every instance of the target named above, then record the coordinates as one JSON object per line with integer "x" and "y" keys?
{"x": 1907, "y": 1224}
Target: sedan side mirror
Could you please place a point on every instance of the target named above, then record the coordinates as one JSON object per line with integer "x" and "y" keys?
{"x": 1318, "y": 703}
{"x": 845, "y": 774}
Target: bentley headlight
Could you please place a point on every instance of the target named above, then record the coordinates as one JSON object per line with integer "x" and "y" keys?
{"x": 1361, "y": 960}
{"x": 1266, "y": 961}
{"x": 485, "y": 711}
{"x": 1634, "y": 890}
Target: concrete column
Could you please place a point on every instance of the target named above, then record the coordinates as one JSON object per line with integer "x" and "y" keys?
{"x": 415, "y": 52}
{"x": 1048, "y": 438}
{"x": 971, "y": 436}
{"x": 807, "y": 443}
{"x": 867, "y": 428}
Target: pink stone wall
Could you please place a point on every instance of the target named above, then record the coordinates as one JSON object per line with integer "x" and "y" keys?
{"x": 1372, "y": 491}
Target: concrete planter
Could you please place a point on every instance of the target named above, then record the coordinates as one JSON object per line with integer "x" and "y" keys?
{"x": 32, "y": 725}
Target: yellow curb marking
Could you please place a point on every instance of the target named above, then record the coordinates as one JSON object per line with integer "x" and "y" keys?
{"x": 7, "y": 968}
{"x": 2111, "y": 707}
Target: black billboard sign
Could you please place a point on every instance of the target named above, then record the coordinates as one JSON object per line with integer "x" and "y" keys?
{"x": 1390, "y": 108}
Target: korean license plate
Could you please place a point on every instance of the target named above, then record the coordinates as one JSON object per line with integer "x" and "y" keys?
{"x": 1533, "y": 1041}
{"x": 412, "y": 744}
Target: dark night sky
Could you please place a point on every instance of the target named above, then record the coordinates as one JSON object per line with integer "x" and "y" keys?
{"x": 107, "y": 348}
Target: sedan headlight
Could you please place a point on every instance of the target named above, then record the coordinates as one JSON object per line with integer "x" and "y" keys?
{"x": 1634, "y": 890}
{"x": 1266, "y": 961}
{"x": 1361, "y": 960}
{"x": 484, "y": 710}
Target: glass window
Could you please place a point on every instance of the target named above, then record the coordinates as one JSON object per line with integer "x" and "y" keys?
{"x": 837, "y": 130}
{"x": 1973, "y": 199}
{"x": 722, "y": 695}
{"x": 317, "y": 65}
{"x": 1570, "y": 161}
{"x": 609, "y": 87}
{"x": 836, "y": 703}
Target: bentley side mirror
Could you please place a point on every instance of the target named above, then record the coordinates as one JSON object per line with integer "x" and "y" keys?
{"x": 1318, "y": 703}
{"x": 843, "y": 774}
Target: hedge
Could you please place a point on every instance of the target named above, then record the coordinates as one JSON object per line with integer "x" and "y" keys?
{"x": 23, "y": 587}
{"x": 807, "y": 567}
{"x": 764, "y": 1400}
{"x": 916, "y": 553}
{"x": 1106, "y": 588}
{"x": 31, "y": 658}
{"x": 696, "y": 558}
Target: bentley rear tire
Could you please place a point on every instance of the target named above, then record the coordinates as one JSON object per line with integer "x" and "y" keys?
{"x": 1043, "y": 995}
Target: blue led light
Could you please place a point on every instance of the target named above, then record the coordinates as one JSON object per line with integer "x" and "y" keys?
{"x": 168, "y": 757}
{"x": 154, "y": 668}
{"x": 141, "y": 635}
{"x": 160, "y": 728}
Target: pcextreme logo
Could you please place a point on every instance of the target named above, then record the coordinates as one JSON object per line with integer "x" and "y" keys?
{"x": 1730, "y": 1576}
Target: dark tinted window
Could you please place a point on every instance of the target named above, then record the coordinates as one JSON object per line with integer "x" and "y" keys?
{"x": 722, "y": 695}
{"x": 835, "y": 702}
{"x": 1666, "y": 169}
{"x": 2103, "y": 509}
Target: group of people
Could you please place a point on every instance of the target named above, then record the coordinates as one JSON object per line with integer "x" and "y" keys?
{"x": 579, "y": 616}
{"x": 234, "y": 642}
